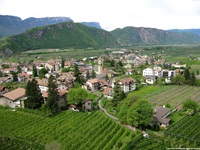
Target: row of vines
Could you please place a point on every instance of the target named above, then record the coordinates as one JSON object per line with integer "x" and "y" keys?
{"x": 187, "y": 129}
{"x": 71, "y": 130}
{"x": 174, "y": 95}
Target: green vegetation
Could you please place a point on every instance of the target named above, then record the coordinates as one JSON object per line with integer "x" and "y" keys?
{"x": 71, "y": 130}
{"x": 76, "y": 95}
{"x": 130, "y": 36}
{"x": 63, "y": 35}
{"x": 140, "y": 113}
{"x": 34, "y": 98}
{"x": 172, "y": 94}
{"x": 186, "y": 131}
{"x": 53, "y": 96}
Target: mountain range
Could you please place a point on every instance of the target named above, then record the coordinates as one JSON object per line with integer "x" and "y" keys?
{"x": 130, "y": 36}
{"x": 12, "y": 25}
{"x": 63, "y": 32}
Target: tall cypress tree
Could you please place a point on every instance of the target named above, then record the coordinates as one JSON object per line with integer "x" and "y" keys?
{"x": 118, "y": 94}
{"x": 87, "y": 75}
{"x": 34, "y": 97}
{"x": 93, "y": 74}
{"x": 62, "y": 63}
{"x": 53, "y": 95}
{"x": 187, "y": 74}
{"x": 77, "y": 73}
{"x": 34, "y": 71}
{"x": 193, "y": 79}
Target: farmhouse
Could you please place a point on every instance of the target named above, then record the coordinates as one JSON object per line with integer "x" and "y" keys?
{"x": 87, "y": 104}
{"x": 13, "y": 98}
{"x": 160, "y": 116}
{"x": 108, "y": 93}
{"x": 62, "y": 103}
{"x": 128, "y": 84}
{"x": 92, "y": 85}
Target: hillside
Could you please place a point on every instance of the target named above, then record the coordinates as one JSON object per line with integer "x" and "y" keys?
{"x": 129, "y": 36}
{"x": 194, "y": 31}
{"x": 92, "y": 24}
{"x": 69, "y": 130}
{"x": 11, "y": 25}
{"x": 63, "y": 35}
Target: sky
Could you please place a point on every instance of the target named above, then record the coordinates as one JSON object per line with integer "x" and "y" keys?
{"x": 112, "y": 14}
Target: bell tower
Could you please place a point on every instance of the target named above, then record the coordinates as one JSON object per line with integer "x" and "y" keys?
{"x": 100, "y": 66}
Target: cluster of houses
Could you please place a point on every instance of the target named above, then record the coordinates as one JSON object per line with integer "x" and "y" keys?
{"x": 66, "y": 80}
{"x": 151, "y": 74}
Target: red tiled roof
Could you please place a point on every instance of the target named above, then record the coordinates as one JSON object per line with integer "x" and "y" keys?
{"x": 127, "y": 80}
{"x": 93, "y": 81}
{"x": 107, "y": 91}
{"x": 15, "y": 94}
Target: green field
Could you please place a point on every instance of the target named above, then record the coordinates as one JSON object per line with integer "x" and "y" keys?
{"x": 46, "y": 54}
{"x": 172, "y": 94}
{"x": 70, "y": 130}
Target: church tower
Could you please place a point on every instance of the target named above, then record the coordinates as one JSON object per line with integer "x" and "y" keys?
{"x": 100, "y": 66}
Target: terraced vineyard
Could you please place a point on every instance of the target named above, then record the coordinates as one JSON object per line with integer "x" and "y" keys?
{"x": 71, "y": 130}
{"x": 174, "y": 95}
{"x": 188, "y": 129}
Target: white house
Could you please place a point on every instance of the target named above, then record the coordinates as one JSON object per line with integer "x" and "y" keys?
{"x": 150, "y": 79}
{"x": 13, "y": 98}
{"x": 147, "y": 72}
{"x": 128, "y": 66}
{"x": 92, "y": 85}
{"x": 128, "y": 84}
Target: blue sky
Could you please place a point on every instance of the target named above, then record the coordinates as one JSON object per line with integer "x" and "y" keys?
{"x": 112, "y": 14}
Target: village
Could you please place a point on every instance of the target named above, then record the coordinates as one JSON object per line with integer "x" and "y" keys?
{"x": 98, "y": 78}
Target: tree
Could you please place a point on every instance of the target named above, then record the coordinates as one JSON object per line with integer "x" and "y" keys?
{"x": 15, "y": 79}
{"x": 120, "y": 64}
{"x": 189, "y": 104}
{"x": 1, "y": 74}
{"x": 42, "y": 73}
{"x": 34, "y": 97}
{"x": 178, "y": 80}
{"x": 197, "y": 72}
{"x": 93, "y": 74}
{"x": 106, "y": 77}
{"x": 19, "y": 69}
{"x": 34, "y": 71}
{"x": 193, "y": 79}
{"x": 76, "y": 95}
{"x": 87, "y": 75}
{"x": 187, "y": 75}
{"x": 53, "y": 95}
{"x": 77, "y": 73}
{"x": 122, "y": 115}
{"x": 112, "y": 63}
{"x": 118, "y": 94}
{"x": 65, "y": 70}
{"x": 62, "y": 63}
{"x": 140, "y": 113}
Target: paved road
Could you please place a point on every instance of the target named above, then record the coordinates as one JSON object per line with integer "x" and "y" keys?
{"x": 105, "y": 111}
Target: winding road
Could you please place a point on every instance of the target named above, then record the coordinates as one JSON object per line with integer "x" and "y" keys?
{"x": 113, "y": 117}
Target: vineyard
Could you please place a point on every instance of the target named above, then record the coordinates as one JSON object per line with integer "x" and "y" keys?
{"x": 187, "y": 129}
{"x": 174, "y": 95}
{"x": 72, "y": 130}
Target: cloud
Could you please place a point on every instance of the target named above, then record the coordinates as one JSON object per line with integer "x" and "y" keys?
{"x": 163, "y": 14}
